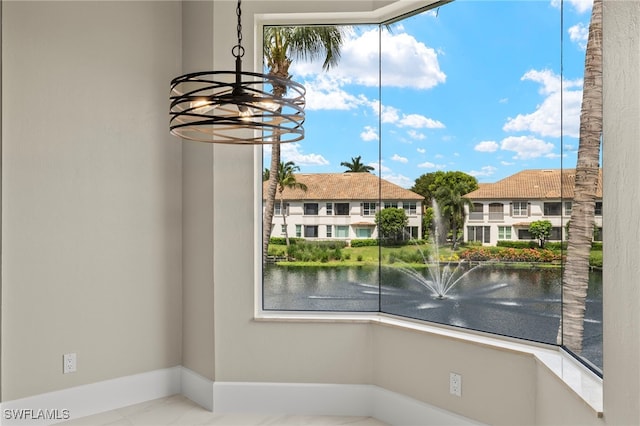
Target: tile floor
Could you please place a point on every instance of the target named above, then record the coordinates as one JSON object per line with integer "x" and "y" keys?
{"x": 178, "y": 410}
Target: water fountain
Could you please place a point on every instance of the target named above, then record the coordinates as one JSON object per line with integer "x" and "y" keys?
{"x": 442, "y": 278}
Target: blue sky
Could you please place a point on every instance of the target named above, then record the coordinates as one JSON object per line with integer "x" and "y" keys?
{"x": 474, "y": 86}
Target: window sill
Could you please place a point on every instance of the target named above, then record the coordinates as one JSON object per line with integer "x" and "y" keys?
{"x": 582, "y": 381}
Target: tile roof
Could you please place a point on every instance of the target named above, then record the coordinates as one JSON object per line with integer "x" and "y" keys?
{"x": 345, "y": 186}
{"x": 532, "y": 184}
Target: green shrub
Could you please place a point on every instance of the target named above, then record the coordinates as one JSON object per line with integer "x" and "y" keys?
{"x": 359, "y": 258}
{"x": 596, "y": 245}
{"x": 282, "y": 241}
{"x": 369, "y": 242}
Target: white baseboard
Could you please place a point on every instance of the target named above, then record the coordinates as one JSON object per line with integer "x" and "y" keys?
{"x": 225, "y": 397}
{"x": 80, "y": 401}
{"x": 330, "y": 399}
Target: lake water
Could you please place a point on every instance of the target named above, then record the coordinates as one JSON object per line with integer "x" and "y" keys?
{"x": 522, "y": 303}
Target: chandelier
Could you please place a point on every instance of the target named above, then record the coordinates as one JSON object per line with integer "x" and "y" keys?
{"x": 236, "y": 107}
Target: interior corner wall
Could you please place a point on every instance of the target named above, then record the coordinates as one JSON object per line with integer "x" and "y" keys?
{"x": 91, "y": 192}
{"x": 197, "y": 199}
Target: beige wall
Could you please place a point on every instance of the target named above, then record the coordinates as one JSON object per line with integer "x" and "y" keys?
{"x": 91, "y": 185}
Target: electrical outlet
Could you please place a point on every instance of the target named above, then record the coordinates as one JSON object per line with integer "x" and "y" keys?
{"x": 455, "y": 384}
{"x": 69, "y": 363}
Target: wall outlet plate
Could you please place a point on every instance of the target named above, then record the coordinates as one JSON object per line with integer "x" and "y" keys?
{"x": 69, "y": 363}
{"x": 455, "y": 384}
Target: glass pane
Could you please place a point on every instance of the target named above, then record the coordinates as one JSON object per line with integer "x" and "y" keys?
{"x": 333, "y": 264}
{"x": 477, "y": 103}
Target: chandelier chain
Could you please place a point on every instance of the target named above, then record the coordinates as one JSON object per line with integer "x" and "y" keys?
{"x": 238, "y": 50}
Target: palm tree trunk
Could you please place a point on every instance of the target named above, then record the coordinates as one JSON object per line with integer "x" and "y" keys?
{"x": 270, "y": 197}
{"x": 576, "y": 277}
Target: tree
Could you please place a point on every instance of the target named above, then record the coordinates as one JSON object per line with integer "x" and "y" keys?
{"x": 265, "y": 174}
{"x": 424, "y": 185}
{"x": 575, "y": 281}
{"x": 541, "y": 231}
{"x": 286, "y": 179}
{"x": 355, "y": 166}
{"x": 281, "y": 46}
{"x": 448, "y": 190}
{"x": 391, "y": 223}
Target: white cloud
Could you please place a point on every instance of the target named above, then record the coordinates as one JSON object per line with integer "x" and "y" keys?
{"x": 580, "y": 6}
{"x": 579, "y": 34}
{"x": 430, "y": 165}
{"x": 421, "y": 150}
{"x": 507, "y": 163}
{"x": 418, "y": 121}
{"x": 526, "y": 147}
{"x": 326, "y": 93}
{"x": 487, "y": 146}
{"x": 369, "y": 134}
{"x": 485, "y": 171}
{"x": 398, "y": 179}
{"x": 408, "y": 62}
{"x": 399, "y": 158}
{"x": 545, "y": 120}
{"x": 416, "y": 135}
{"x": 293, "y": 152}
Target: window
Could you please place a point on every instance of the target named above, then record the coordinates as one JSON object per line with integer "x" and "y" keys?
{"x": 477, "y": 212}
{"x": 537, "y": 292}
{"x": 298, "y": 231}
{"x": 342, "y": 209}
{"x": 524, "y": 234}
{"x": 567, "y": 208}
{"x": 552, "y": 209}
{"x": 479, "y": 233}
{"x": 411, "y": 232}
{"x": 519, "y": 208}
{"x": 283, "y": 229}
{"x": 369, "y": 209}
{"x": 277, "y": 209}
{"x": 598, "y": 208}
{"x": 329, "y": 229}
{"x": 409, "y": 208}
{"x": 342, "y": 231}
{"x": 504, "y": 232}
{"x": 496, "y": 211}
{"x": 311, "y": 231}
{"x": 311, "y": 209}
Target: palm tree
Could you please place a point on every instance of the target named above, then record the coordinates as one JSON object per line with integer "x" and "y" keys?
{"x": 451, "y": 201}
{"x": 355, "y": 166}
{"x": 281, "y": 46}
{"x": 576, "y": 276}
{"x": 286, "y": 179}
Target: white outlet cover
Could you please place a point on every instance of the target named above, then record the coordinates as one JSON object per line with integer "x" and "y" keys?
{"x": 69, "y": 363}
{"x": 455, "y": 384}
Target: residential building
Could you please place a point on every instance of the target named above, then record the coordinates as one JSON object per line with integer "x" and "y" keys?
{"x": 140, "y": 252}
{"x": 505, "y": 209}
{"x": 341, "y": 206}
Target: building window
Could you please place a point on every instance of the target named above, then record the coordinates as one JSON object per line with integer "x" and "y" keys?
{"x": 311, "y": 209}
{"x": 363, "y": 232}
{"x": 556, "y": 234}
{"x": 342, "y": 231}
{"x": 411, "y": 232}
{"x": 524, "y": 234}
{"x": 283, "y": 229}
{"x": 567, "y": 208}
{"x": 311, "y": 231}
{"x": 479, "y": 233}
{"x": 410, "y": 208}
{"x": 329, "y": 229}
{"x": 504, "y": 232}
{"x": 329, "y": 209}
{"x": 520, "y": 208}
{"x": 390, "y": 204}
{"x": 342, "y": 209}
{"x": 496, "y": 211}
{"x": 598, "y": 208}
{"x": 552, "y": 209}
{"x": 597, "y": 234}
{"x": 369, "y": 209}
{"x": 298, "y": 231}
{"x": 477, "y": 212}
{"x": 277, "y": 209}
